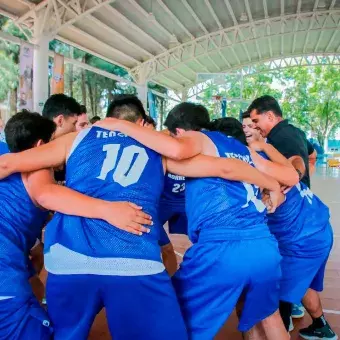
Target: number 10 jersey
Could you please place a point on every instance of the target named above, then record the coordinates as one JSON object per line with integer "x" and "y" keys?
{"x": 114, "y": 167}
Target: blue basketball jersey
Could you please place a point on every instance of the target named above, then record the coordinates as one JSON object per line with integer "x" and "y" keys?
{"x": 114, "y": 167}
{"x": 21, "y": 223}
{"x": 3, "y": 148}
{"x": 299, "y": 223}
{"x": 174, "y": 191}
{"x": 222, "y": 209}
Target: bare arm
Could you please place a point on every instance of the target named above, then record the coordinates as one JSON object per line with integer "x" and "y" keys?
{"x": 227, "y": 168}
{"x": 286, "y": 175}
{"x": 46, "y": 193}
{"x": 50, "y": 155}
{"x": 174, "y": 148}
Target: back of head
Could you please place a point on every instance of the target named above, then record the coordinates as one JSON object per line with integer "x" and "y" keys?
{"x": 187, "y": 116}
{"x": 229, "y": 126}
{"x": 60, "y": 104}
{"x": 126, "y": 107}
{"x": 246, "y": 114}
{"x": 150, "y": 121}
{"x": 24, "y": 130}
{"x": 83, "y": 109}
{"x": 264, "y": 104}
{"x": 95, "y": 119}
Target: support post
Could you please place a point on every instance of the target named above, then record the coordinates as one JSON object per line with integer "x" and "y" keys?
{"x": 184, "y": 96}
{"x": 142, "y": 93}
{"x": 40, "y": 73}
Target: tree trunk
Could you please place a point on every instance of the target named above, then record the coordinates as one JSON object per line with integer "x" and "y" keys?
{"x": 89, "y": 86}
{"x": 83, "y": 83}
{"x": 13, "y": 98}
{"x": 71, "y": 72}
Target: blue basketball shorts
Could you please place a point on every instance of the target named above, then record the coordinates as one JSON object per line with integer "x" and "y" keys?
{"x": 213, "y": 276}
{"x": 22, "y": 318}
{"x": 175, "y": 216}
{"x": 137, "y": 307}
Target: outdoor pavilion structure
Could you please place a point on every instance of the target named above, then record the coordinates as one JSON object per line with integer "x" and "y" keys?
{"x": 170, "y": 42}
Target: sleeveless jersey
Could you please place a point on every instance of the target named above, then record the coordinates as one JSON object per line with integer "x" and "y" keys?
{"x": 299, "y": 224}
{"x": 3, "y": 148}
{"x": 174, "y": 191}
{"x": 219, "y": 209}
{"x": 21, "y": 223}
{"x": 114, "y": 167}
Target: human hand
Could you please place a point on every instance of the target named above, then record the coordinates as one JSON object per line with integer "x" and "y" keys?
{"x": 127, "y": 216}
{"x": 271, "y": 199}
{"x": 257, "y": 145}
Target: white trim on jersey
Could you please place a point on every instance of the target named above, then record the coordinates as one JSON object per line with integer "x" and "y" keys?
{"x": 63, "y": 261}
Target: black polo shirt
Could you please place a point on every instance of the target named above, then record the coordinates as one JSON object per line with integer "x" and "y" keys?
{"x": 291, "y": 141}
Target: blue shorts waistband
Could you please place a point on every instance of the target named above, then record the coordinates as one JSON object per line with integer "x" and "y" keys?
{"x": 234, "y": 235}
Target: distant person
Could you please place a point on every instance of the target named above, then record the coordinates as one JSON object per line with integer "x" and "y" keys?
{"x": 95, "y": 119}
{"x": 64, "y": 111}
{"x": 83, "y": 120}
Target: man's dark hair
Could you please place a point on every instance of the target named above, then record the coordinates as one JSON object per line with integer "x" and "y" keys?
{"x": 83, "y": 109}
{"x": 264, "y": 104}
{"x": 229, "y": 126}
{"x": 60, "y": 104}
{"x": 95, "y": 119}
{"x": 127, "y": 107}
{"x": 246, "y": 114}
{"x": 150, "y": 120}
{"x": 187, "y": 116}
{"x": 26, "y": 128}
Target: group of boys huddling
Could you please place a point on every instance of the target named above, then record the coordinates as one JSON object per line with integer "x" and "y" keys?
{"x": 261, "y": 238}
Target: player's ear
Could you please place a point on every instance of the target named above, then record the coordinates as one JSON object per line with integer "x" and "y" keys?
{"x": 39, "y": 142}
{"x": 179, "y": 132}
{"x": 59, "y": 120}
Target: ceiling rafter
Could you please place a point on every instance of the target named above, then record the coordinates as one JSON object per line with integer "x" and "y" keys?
{"x": 212, "y": 12}
{"x": 331, "y": 40}
{"x": 231, "y": 12}
{"x": 120, "y": 36}
{"x": 109, "y": 47}
{"x": 174, "y": 17}
{"x": 146, "y": 15}
{"x": 134, "y": 26}
{"x": 332, "y": 4}
{"x": 190, "y": 46}
{"x": 194, "y": 15}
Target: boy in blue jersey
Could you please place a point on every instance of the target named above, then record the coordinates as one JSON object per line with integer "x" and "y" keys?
{"x": 220, "y": 225}
{"x": 171, "y": 210}
{"x": 301, "y": 226}
{"x": 22, "y": 197}
{"x": 125, "y": 261}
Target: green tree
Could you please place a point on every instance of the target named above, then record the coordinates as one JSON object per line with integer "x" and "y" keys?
{"x": 311, "y": 99}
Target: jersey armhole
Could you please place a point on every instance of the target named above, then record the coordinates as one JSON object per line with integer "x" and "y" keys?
{"x": 81, "y": 135}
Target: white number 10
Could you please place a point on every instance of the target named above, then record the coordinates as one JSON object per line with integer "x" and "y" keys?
{"x": 127, "y": 170}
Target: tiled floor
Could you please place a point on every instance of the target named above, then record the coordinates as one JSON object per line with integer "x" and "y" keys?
{"x": 327, "y": 187}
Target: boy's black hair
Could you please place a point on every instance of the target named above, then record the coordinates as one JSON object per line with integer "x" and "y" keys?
{"x": 264, "y": 104}
{"x": 187, "y": 116}
{"x": 61, "y": 104}
{"x": 246, "y": 114}
{"x": 229, "y": 126}
{"x": 83, "y": 109}
{"x": 26, "y": 128}
{"x": 127, "y": 107}
{"x": 150, "y": 120}
{"x": 95, "y": 119}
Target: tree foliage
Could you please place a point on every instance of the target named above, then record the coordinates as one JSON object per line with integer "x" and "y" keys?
{"x": 309, "y": 96}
